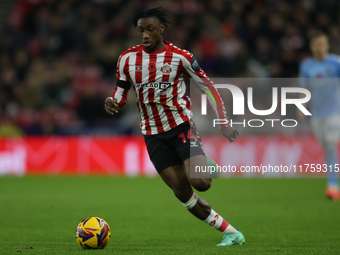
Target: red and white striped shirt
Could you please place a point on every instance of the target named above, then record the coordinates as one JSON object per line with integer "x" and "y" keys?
{"x": 158, "y": 81}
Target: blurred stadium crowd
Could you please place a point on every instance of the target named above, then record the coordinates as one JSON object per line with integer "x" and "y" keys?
{"x": 58, "y": 58}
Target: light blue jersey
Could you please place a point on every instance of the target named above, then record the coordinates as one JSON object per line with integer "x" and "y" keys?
{"x": 325, "y": 92}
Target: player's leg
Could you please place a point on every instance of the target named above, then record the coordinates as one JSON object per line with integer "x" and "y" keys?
{"x": 332, "y": 135}
{"x": 167, "y": 152}
{"x": 170, "y": 167}
{"x": 175, "y": 177}
{"x": 201, "y": 181}
{"x": 327, "y": 134}
{"x": 195, "y": 137}
{"x": 199, "y": 168}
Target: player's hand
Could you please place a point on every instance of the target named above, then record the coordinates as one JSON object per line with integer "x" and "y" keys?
{"x": 111, "y": 105}
{"x": 230, "y": 133}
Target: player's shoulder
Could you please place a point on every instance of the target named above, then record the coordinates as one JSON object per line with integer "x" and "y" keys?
{"x": 306, "y": 61}
{"x": 180, "y": 52}
{"x": 333, "y": 58}
{"x": 131, "y": 50}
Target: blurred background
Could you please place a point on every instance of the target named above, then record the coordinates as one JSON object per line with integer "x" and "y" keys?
{"x": 58, "y": 64}
{"x": 58, "y": 58}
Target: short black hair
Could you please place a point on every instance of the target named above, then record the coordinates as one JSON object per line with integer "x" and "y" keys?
{"x": 318, "y": 34}
{"x": 157, "y": 13}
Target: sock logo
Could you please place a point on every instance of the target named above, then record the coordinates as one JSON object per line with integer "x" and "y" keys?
{"x": 214, "y": 221}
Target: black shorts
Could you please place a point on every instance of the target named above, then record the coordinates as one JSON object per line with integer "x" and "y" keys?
{"x": 173, "y": 147}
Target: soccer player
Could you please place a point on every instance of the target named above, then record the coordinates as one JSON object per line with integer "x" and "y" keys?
{"x": 156, "y": 70}
{"x": 324, "y": 70}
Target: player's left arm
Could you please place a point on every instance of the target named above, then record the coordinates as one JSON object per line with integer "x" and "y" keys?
{"x": 303, "y": 81}
{"x": 194, "y": 71}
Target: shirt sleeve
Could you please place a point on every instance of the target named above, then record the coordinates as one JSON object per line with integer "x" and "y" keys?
{"x": 123, "y": 81}
{"x": 122, "y": 68}
{"x": 194, "y": 71}
{"x": 303, "y": 81}
{"x": 120, "y": 93}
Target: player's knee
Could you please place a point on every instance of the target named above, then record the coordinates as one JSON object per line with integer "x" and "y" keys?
{"x": 181, "y": 193}
{"x": 202, "y": 185}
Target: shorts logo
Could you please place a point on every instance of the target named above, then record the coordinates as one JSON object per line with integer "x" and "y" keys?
{"x": 166, "y": 69}
{"x": 191, "y": 137}
{"x": 193, "y": 144}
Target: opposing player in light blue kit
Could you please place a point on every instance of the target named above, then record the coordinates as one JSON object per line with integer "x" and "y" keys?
{"x": 323, "y": 71}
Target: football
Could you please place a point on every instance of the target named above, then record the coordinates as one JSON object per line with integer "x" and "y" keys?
{"x": 93, "y": 233}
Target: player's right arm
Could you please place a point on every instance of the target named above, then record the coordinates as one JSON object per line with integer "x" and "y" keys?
{"x": 118, "y": 98}
{"x": 111, "y": 105}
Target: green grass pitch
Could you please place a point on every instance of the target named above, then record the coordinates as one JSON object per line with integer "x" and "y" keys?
{"x": 39, "y": 215}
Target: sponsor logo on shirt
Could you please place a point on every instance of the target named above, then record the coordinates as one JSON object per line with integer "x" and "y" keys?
{"x": 156, "y": 85}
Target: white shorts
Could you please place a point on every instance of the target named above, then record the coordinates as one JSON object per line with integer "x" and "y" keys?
{"x": 327, "y": 130}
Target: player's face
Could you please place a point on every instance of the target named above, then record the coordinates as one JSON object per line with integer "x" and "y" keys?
{"x": 319, "y": 47}
{"x": 151, "y": 32}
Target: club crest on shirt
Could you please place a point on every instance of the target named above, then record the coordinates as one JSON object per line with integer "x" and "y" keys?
{"x": 138, "y": 68}
{"x": 166, "y": 69}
